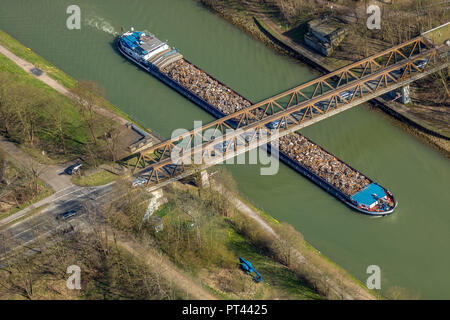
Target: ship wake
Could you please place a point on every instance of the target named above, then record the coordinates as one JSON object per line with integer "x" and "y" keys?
{"x": 101, "y": 24}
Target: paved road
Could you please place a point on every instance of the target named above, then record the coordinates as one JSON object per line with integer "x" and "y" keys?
{"x": 51, "y": 174}
{"x": 28, "y": 231}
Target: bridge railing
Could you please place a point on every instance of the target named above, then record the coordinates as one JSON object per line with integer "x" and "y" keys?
{"x": 287, "y": 111}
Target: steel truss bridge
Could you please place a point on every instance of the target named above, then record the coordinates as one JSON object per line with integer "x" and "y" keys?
{"x": 289, "y": 111}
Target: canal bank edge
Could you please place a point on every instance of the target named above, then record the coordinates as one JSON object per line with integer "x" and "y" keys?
{"x": 63, "y": 78}
{"x": 56, "y": 74}
{"x": 260, "y": 31}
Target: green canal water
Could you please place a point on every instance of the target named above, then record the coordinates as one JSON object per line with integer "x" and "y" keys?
{"x": 412, "y": 246}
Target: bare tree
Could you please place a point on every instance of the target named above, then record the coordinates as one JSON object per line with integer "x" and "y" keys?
{"x": 24, "y": 104}
{"x": 57, "y": 120}
{"x": 35, "y": 169}
{"x": 112, "y": 138}
{"x": 5, "y": 113}
{"x": 86, "y": 95}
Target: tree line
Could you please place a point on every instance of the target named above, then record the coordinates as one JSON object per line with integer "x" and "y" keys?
{"x": 42, "y": 120}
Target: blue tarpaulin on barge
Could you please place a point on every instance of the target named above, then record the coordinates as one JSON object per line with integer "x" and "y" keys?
{"x": 366, "y": 196}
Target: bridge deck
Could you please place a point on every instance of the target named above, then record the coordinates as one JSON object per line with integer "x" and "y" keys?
{"x": 292, "y": 110}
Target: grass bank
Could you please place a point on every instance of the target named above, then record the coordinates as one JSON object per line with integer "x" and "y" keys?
{"x": 67, "y": 81}
{"x": 98, "y": 178}
{"x": 74, "y": 123}
{"x": 194, "y": 229}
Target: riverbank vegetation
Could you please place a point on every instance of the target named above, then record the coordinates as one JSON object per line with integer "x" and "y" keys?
{"x": 108, "y": 272}
{"x": 49, "y": 125}
{"x": 401, "y": 20}
{"x": 62, "y": 78}
{"x": 195, "y": 229}
{"x": 203, "y": 233}
{"x": 19, "y": 187}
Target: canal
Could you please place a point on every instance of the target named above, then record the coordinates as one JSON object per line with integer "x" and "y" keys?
{"x": 412, "y": 246}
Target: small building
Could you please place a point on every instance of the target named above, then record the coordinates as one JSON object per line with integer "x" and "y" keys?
{"x": 325, "y": 34}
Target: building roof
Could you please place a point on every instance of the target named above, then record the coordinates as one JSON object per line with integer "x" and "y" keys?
{"x": 325, "y": 26}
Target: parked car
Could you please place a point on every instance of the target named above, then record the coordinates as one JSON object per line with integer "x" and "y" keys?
{"x": 73, "y": 169}
{"x": 66, "y": 215}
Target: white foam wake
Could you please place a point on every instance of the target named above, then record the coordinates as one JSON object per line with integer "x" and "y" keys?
{"x": 101, "y": 24}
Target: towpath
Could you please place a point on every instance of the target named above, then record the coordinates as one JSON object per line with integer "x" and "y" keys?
{"x": 158, "y": 262}
{"x": 336, "y": 284}
{"x": 45, "y": 78}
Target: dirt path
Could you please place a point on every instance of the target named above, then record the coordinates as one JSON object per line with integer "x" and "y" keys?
{"x": 45, "y": 78}
{"x": 126, "y": 139}
{"x": 167, "y": 270}
{"x": 50, "y": 174}
{"x": 355, "y": 292}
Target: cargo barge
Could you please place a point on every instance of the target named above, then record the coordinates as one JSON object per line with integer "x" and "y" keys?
{"x": 366, "y": 196}
{"x": 169, "y": 66}
{"x": 152, "y": 65}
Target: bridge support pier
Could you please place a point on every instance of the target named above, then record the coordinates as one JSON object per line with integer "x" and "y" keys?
{"x": 204, "y": 179}
{"x": 156, "y": 200}
{"x": 405, "y": 94}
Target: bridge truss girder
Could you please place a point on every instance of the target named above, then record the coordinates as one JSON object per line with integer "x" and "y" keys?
{"x": 290, "y": 110}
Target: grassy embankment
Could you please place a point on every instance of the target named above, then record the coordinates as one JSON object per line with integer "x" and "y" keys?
{"x": 27, "y": 54}
{"x": 198, "y": 234}
{"x": 275, "y": 273}
{"x": 98, "y": 178}
{"x": 108, "y": 273}
{"x": 74, "y": 126}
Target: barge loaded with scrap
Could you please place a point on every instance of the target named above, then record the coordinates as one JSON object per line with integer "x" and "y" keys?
{"x": 301, "y": 154}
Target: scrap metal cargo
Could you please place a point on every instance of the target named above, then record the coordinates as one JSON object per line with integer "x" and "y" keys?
{"x": 338, "y": 178}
